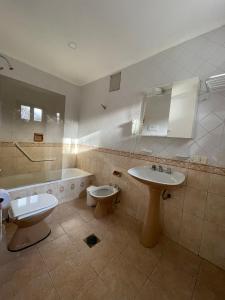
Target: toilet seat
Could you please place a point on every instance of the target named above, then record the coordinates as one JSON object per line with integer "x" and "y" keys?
{"x": 32, "y": 205}
{"x": 103, "y": 191}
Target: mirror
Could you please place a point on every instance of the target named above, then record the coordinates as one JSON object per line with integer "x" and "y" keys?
{"x": 170, "y": 111}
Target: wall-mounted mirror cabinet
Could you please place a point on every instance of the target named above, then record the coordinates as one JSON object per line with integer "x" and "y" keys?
{"x": 170, "y": 111}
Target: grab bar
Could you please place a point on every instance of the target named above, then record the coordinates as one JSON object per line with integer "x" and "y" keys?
{"x": 28, "y": 156}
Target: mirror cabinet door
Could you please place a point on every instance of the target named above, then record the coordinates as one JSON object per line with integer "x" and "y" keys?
{"x": 171, "y": 113}
{"x": 183, "y": 108}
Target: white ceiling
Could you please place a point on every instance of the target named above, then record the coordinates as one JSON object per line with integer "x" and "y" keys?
{"x": 110, "y": 34}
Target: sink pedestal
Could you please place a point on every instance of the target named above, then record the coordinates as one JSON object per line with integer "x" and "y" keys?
{"x": 151, "y": 228}
{"x": 156, "y": 181}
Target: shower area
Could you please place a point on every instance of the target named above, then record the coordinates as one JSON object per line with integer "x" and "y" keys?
{"x": 31, "y": 134}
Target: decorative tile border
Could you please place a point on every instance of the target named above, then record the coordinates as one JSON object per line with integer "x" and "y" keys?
{"x": 155, "y": 159}
{"x": 31, "y": 144}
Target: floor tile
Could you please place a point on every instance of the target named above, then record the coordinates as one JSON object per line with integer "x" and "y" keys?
{"x": 154, "y": 292}
{"x": 95, "y": 290}
{"x": 142, "y": 258}
{"x": 70, "y": 278}
{"x": 36, "y": 289}
{"x": 62, "y": 212}
{"x": 22, "y": 269}
{"x": 102, "y": 253}
{"x": 118, "y": 267}
{"x": 56, "y": 251}
{"x": 123, "y": 278}
{"x": 176, "y": 284}
{"x": 177, "y": 257}
{"x": 210, "y": 283}
{"x": 77, "y": 227}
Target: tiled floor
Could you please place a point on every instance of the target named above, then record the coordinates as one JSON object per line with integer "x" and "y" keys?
{"x": 118, "y": 268}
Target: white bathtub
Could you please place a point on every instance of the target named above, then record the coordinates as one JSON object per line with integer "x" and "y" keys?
{"x": 65, "y": 184}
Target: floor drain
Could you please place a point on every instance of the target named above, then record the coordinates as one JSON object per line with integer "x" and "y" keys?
{"x": 91, "y": 240}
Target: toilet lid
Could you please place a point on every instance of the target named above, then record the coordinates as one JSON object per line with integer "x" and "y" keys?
{"x": 29, "y": 205}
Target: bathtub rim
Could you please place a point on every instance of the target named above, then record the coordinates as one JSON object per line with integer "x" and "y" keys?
{"x": 87, "y": 174}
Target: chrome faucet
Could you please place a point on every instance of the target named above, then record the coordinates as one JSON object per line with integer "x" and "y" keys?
{"x": 160, "y": 169}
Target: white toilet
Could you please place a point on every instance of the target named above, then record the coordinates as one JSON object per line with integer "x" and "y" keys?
{"x": 28, "y": 214}
{"x": 103, "y": 196}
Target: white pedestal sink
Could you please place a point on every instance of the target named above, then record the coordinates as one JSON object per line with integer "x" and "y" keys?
{"x": 156, "y": 182}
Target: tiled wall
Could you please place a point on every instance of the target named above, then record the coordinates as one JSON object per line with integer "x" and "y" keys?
{"x": 111, "y": 128}
{"x": 13, "y": 162}
{"x": 193, "y": 217}
{"x": 69, "y": 157}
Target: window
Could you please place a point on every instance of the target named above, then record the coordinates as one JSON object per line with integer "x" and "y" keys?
{"x": 25, "y": 112}
{"x": 37, "y": 114}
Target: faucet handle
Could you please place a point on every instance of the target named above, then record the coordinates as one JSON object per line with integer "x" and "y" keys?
{"x": 160, "y": 168}
{"x": 168, "y": 170}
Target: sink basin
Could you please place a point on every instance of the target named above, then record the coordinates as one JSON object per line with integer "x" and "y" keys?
{"x": 156, "y": 182}
{"x": 147, "y": 175}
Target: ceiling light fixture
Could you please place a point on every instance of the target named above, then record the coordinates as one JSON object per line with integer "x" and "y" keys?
{"x": 72, "y": 45}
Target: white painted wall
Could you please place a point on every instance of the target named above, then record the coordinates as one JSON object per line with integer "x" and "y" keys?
{"x": 202, "y": 56}
{"x": 26, "y": 73}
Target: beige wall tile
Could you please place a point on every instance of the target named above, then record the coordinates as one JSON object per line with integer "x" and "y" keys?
{"x": 13, "y": 162}
{"x": 10, "y": 152}
{"x": 129, "y": 201}
{"x": 213, "y": 243}
{"x": 7, "y": 165}
{"x": 177, "y": 197}
{"x": 69, "y": 161}
{"x": 217, "y": 184}
{"x": 171, "y": 221}
{"x": 198, "y": 180}
{"x": 195, "y": 201}
{"x": 191, "y": 232}
{"x": 215, "y": 209}
{"x": 142, "y": 207}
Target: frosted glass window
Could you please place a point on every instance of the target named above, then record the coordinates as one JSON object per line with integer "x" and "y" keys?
{"x": 25, "y": 112}
{"x": 58, "y": 117}
{"x": 37, "y": 114}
